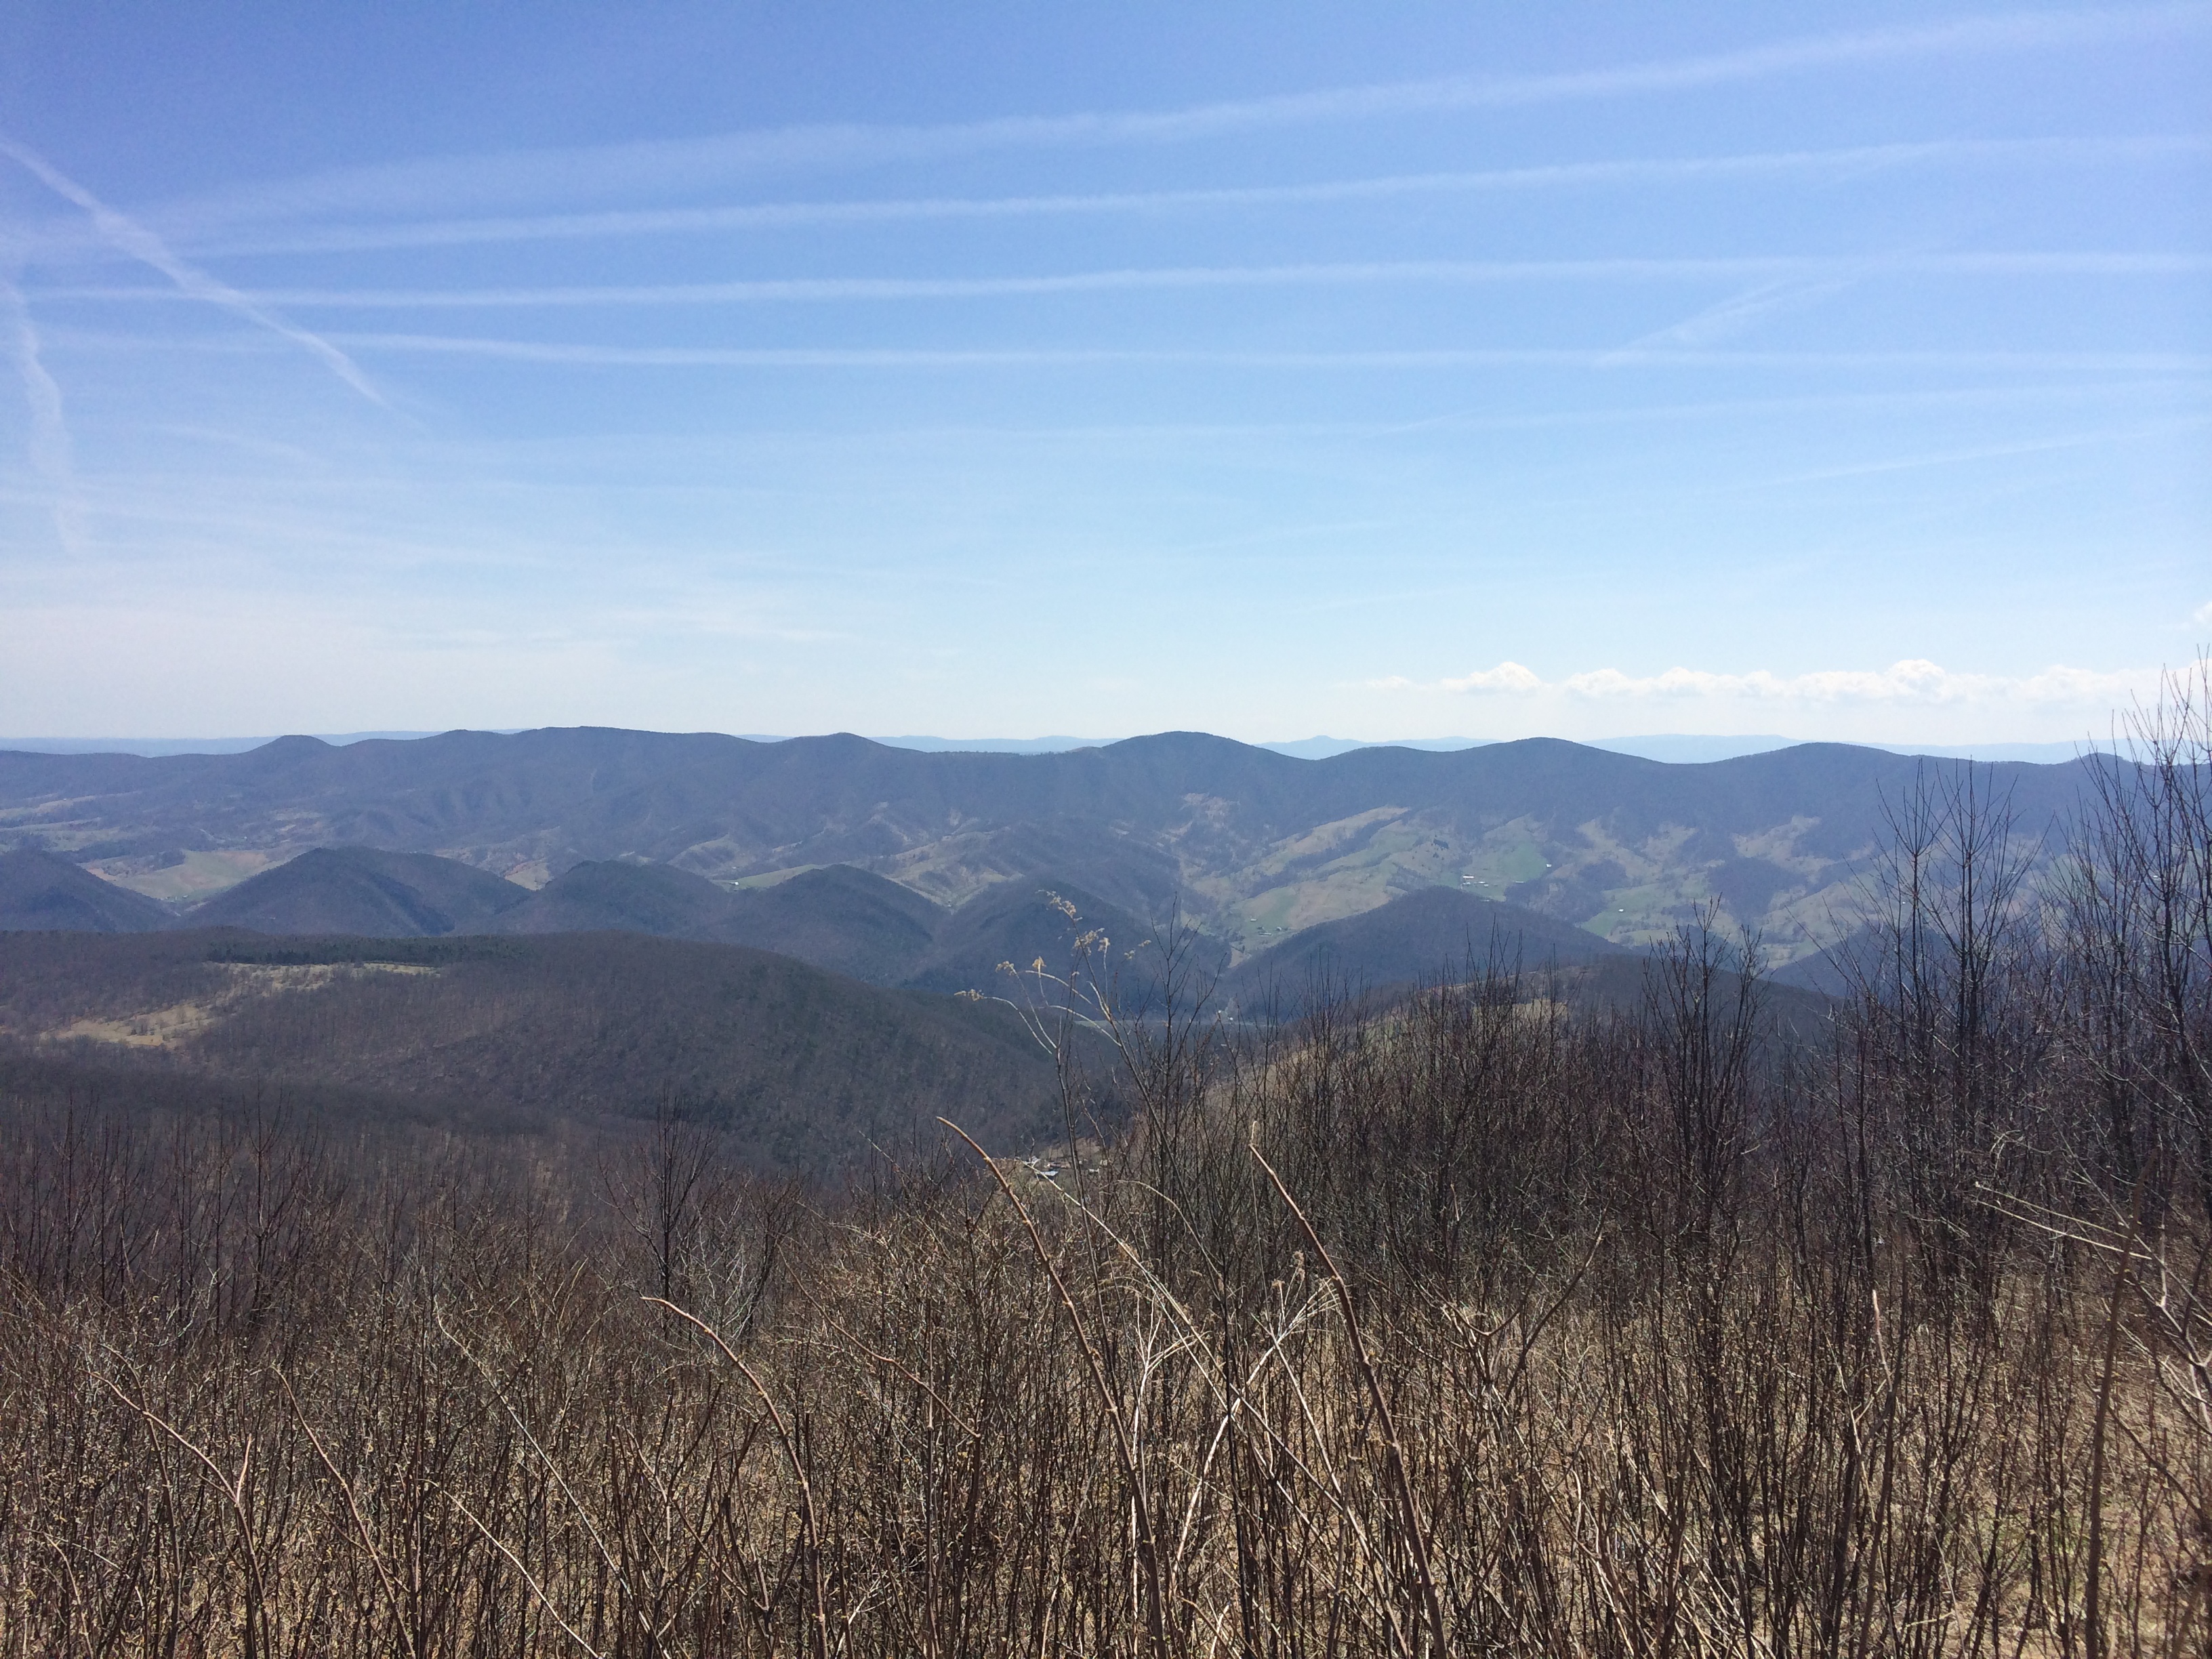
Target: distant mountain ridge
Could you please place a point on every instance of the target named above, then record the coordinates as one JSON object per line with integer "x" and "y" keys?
{"x": 1680, "y": 748}
{"x": 1254, "y": 845}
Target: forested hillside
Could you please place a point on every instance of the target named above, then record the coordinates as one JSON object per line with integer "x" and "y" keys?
{"x": 799, "y": 1070}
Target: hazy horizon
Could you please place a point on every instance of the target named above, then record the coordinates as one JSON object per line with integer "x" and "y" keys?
{"x": 1671, "y": 747}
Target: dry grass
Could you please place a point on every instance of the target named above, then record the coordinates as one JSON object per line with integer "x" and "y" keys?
{"x": 264, "y": 1397}
{"x": 163, "y": 1028}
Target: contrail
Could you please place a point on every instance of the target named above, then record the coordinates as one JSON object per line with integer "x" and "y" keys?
{"x": 50, "y": 451}
{"x": 613, "y": 169}
{"x": 1774, "y": 271}
{"x": 1569, "y": 175}
{"x": 142, "y": 244}
{"x": 1732, "y": 316}
{"x": 589, "y": 356}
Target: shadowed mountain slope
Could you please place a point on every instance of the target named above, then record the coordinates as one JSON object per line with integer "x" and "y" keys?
{"x": 40, "y": 891}
{"x": 613, "y": 894}
{"x": 361, "y": 891}
{"x": 840, "y": 918}
{"x": 1254, "y": 844}
{"x": 1627, "y": 982}
{"x": 1837, "y": 971}
{"x": 1022, "y": 922}
{"x": 806, "y": 1069}
{"x": 1424, "y": 936}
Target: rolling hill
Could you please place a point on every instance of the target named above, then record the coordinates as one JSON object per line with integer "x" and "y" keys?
{"x": 621, "y": 894}
{"x": 361, "y": 891}
{"x": 41, "y": 891}
{"x": 838, "y": 918}
{"x": 1021, "y": 923}
{"x": 1414, "y": 939}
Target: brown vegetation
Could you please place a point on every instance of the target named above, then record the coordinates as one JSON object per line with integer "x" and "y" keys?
{"x": 1474, "y": 1325}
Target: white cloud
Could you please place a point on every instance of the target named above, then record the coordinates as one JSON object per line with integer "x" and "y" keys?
{"x": 2202, "y": 615}
{"x": 1914, "y": 682}
{"x": 1507, "y": 677}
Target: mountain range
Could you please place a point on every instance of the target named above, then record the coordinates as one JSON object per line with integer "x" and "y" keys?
{"x": 532, "y": 928}
{"x": 1252, "y": 845}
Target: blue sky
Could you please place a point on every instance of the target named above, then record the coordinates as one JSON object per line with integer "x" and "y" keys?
{"x": 1385, "y": 371}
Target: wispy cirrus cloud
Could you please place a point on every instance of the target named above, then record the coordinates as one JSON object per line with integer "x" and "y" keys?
{"x": 1801, "y": 279}
{"x": 591, "y": 354}
{"x": 1957, "y": 456}
{"x": 1914, "y": 681}
{"x": 48, "y": 450}
{"x": 127, "y": 235}
{"x": 603, "y": 171}
{"x": 621, "y": 224}
{"x": 1736, "y": 315}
